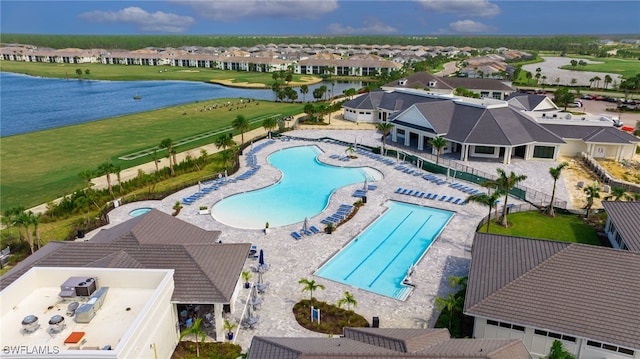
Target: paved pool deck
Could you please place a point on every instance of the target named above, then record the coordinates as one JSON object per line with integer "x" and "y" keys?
{"x": 290, "y": 259}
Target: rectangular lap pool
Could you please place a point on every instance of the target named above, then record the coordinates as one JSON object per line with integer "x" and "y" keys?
{"x": 379, "y": 258}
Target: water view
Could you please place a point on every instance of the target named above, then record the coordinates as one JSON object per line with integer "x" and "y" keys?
{"x": 32, "y": 103}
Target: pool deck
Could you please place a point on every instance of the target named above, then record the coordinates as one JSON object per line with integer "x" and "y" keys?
{"x": 290, "y": 259}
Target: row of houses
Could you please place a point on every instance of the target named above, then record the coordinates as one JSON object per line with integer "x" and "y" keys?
{"x": 501, "y": 125}
{"x": 340, "y": 60}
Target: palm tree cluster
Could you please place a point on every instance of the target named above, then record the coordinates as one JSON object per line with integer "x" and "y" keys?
{"x": 501, "y": 186}
{"x": 22, "y": 219}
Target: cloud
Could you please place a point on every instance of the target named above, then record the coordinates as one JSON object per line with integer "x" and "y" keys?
{"x": 373, "y": 27}
{"x": 466, "y": 8}
{"x": 232, "y": 10}
{"x": 148, "y": 22}
{"x": 467, "y": 27}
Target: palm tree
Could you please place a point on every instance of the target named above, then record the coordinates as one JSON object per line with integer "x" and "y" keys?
{"x": 25, "y": 219}
{"x": 197, "y": 331}
{"x": 229, "y": 327}
{"x": 488, "y": 200}
{"x": 505, "y": 184}
{"x": 241, "y": 124}
{"x": 349, "y": 300}
{"x": 310, "y": 285}
{"x": 350, "y": 151}
{"x": 36, "y": 223}
{"x": 224, "y": 141}
{"x": 106, "y": 169}
{"x": 592, "y": 192}
{"x": 155, "y": 160}
{"x": 597, "y": 79}
{"x": 304, "y": 90}
{"x": 452, "y": 304}
{"x": 555, "y": 174}
{"x": 607, "y": 81}
{"x": 87, "y": 175}
{"x": 617, "y": 194}
{"x": 458, "y": 281}
{"x": 385, "y": 128}
{"x": 117, "y": 169}
{"x": 269, "y": 124}
{"x": 438, "y": 143}
{"x": 168, "y": 144}
{"x": 10, "y": 218}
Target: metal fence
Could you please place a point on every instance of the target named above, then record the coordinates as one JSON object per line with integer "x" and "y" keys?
{"x": 605, "y": 177}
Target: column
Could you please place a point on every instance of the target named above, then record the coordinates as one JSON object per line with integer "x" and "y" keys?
{"x": 394, "y": 134}
{"x": 420, "y": 142}
{"x": 507, "y": 155}
{"x": 217, "y": 314}
{"x": 407, "y": 138}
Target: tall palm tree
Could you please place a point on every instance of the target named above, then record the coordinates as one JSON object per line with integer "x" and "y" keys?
{"x": 11, "y": 218}
{"x": 597, "y": 79}
{"x": 349, "y": 300}
{"x": 458, "y": 281}
{"x": 438, "y": 143}
{"x": 167, "y": 144}
{"x": 452, "y": 304}
{"x": 310, "y": 285}
{"x": 117, "y": 169}
{"x": 35, "y": 220}
{"x": 241, "y": 124}
{"x": 197, "y": 331}
{"x": 269, "y": 124}
{"x": 155, "y": 160}
{"x": 106, "y": 169}
{"x": 488, "y": 200}
{"x": 592, "y": 192}
{"x": 505, "y": 184}
{"x": 304, "y": 90}
{"x": 87, "y": 176}
{"x": 224, "y": 142}
{"x": 607, "y": 81}
{"x": 555, "y": 174}
{"x": 385, "y": 128}
{"x": 25, "y": 219}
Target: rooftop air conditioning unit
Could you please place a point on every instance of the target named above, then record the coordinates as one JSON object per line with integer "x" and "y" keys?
{"x": 78, "y": 287}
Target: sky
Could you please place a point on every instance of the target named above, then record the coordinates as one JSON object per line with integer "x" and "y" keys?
{"x": 320, "y": 17}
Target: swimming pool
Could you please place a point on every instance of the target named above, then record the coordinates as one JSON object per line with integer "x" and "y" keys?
{"x": 302, "y": 192}
{"x": 379, "y": 258}
{"x": 140, "y": 211}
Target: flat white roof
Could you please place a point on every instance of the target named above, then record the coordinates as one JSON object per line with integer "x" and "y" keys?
{"x": 130, "y": 295}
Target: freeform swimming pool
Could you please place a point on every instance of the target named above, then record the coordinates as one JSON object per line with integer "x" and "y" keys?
{"x": 302, "y": 192}
{"x": 379, "y": 258}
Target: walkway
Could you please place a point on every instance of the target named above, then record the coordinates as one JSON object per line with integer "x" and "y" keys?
{"x": 291, "y": 260}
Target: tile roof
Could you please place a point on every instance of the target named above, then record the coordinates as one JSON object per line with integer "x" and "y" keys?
{"x": 525, "y": 101}
{"x": 421, "y": 80}
{"x": 606, "y": 134}
{"x": 581, "y": 290}
{"x": 387, "y": 343}
{"x": 624, "y": 216}
{"x": 205, "y": 272}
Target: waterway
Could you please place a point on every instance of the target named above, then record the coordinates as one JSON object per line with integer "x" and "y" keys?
{"x": 31, "y": 104}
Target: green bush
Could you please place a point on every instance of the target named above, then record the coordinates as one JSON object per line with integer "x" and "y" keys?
{"x": 332, "y": 318}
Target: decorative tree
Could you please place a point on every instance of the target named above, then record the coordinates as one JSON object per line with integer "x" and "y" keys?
{"x": 555, "y": 174}
{"x": 311, "y": 286}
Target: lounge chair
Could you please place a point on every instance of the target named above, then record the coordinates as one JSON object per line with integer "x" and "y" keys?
{"x": 314, "y": 229}
{"x": 442, "y": 198}
{"x": 399, "y": 190}
{"x": 421, "y": 195}
{"x": 306, "y": 232}
{"x": 457, "y": 201}
{"x": 450, "y": 199}
{"x": 428, "y": 196}
{"x": 296, "y": 235}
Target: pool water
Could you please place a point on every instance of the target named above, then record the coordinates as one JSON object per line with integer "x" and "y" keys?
{"x": 379, "y": 259}
{"x": 140, "y": 211}
{"x": 302, "y": 192}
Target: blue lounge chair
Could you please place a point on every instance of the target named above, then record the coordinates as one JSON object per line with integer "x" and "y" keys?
{"x": 409, "y": 193}
{"x": 314, "y": 229}
{"x": 421, "y": 195}
{"x": 296, "y": 235}
{"x": 457, "y": 201}
{"x": 428, "y": 196}
{"x": 450, "y": 199}
{"x": 399, "y": 190}
{"x": 306, "y": 232}
{"x": 442, "y": 198}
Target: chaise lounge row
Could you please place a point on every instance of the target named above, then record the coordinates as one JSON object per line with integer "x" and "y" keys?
{"x": 434, "y": 196}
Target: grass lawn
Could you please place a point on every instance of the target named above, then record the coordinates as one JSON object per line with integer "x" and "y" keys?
{"x": 626, "y": 67}
{"x": 135, "y": 73}
{"x": 563, "y": 227}
{"x": 41, "y": 166}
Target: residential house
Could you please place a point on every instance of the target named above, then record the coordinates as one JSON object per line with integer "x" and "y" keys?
{"x": 622, "y": 227}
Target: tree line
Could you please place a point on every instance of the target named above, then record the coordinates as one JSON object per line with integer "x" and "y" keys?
{"x": 574, "y": 43}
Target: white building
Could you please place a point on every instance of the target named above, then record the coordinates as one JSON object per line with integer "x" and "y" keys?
{"x": 126, "y": 314}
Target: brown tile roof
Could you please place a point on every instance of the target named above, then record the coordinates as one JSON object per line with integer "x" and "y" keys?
{"x": 374, "y": 343}
{"x": 576, "y": 289}
{"x": 205, "y": 272}
{"x": 626, "y": 218}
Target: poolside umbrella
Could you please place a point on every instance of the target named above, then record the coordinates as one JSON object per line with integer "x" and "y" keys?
{"x": 261, "y": 258}
{"x": 305, "y": 225}
{"x": 254, "y": 293}
{"x": 365, "y": 184}
{"x": 259, "y": 283}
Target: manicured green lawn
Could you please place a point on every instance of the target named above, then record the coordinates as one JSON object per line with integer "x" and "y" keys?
{"x": 41, "y": 166}
{"x": 135, "y": 72}
{"x": 563, "y": 227}
{"x": 626, "y": 67}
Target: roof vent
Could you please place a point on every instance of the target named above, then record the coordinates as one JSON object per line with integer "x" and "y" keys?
{"x": 30, "y": 324}
{"x": 544, "y": 115}
{"x": 568, "y": 116}
{"x": 71, "y": 308}
{"x": 57, "y": 324}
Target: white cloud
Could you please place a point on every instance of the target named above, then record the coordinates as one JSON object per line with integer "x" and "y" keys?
{"x": 467, "y": 27}
{"x": 474, "y": 8}
{"x": 225, "y": 10}
{"x": 373, "y": 27}
{"x": 143, "y": 20}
